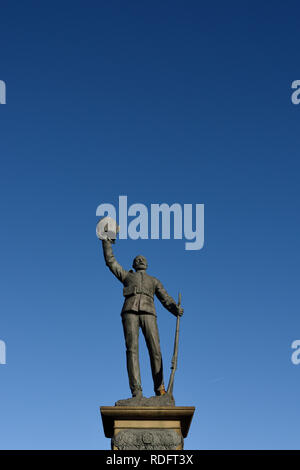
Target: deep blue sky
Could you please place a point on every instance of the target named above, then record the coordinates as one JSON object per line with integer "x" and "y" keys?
{"x": 170, "y": 101}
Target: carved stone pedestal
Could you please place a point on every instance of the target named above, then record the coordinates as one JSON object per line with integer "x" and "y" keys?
{"x": 146, "y": 428}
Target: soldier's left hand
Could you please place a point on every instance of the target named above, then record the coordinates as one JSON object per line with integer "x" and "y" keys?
{"x": 179, "y": 311}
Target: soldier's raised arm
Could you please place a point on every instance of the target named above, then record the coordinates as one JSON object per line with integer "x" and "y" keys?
{"x": 111, "y": 261}
{"x": 167, "y": 301}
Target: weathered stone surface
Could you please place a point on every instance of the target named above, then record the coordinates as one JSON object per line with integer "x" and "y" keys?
{"x": 147, "y": 439}
{"x": 161, "y": 401}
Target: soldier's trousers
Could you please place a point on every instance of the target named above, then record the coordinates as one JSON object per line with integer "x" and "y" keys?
{"x": 132, "y": 322}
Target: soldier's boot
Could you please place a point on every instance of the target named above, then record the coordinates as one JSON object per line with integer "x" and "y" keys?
{"x": 161, "y": 391}
{"x": 137, "y": 393}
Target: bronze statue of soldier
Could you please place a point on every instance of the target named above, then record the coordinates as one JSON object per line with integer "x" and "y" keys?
{"x": 139, "y": 312}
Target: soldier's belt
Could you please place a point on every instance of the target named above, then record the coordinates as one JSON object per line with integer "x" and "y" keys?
{"x": 128, "y": 291}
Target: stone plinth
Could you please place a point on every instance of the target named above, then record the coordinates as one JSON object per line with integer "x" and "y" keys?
{"x": 146, "y": 428}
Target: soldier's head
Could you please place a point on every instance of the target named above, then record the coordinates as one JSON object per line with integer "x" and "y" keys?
{"x": 140, "y": 263}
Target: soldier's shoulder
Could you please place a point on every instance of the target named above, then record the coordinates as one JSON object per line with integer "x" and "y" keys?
{"x": 154, "y": 279}
{"x": 129, "y": 274}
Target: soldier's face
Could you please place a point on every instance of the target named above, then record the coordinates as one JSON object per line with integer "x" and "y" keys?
{"x": 140, "y": 263}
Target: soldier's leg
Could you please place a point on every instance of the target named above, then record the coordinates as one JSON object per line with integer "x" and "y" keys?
{"x": 150, "y": 331}
{"x": 131, "y": 333}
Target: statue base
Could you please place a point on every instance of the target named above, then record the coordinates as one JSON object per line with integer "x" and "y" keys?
{"x": 160, "y": 401}
{"x": 146, "y": 427}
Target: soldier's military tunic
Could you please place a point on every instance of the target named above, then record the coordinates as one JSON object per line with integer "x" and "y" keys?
{"x": 139, "y": 311}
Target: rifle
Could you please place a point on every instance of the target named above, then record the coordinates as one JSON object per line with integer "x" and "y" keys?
{"x": 175, "y": 352}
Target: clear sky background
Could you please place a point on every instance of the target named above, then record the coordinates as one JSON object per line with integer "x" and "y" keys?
{"x": 165, "y": 101}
